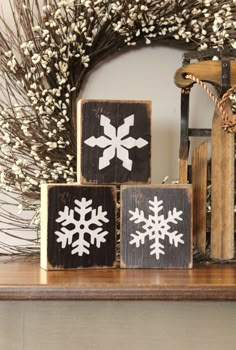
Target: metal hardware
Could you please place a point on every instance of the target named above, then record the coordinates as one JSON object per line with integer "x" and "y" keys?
{"x": 225, "y": 75}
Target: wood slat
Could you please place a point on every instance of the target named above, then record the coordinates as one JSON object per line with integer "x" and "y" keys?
{"x": 199, "y": 183}
{"x": 183, "y": 171}
{"x": 222, "y": 217}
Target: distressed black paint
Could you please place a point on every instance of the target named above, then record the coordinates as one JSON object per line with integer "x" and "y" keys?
{"x": 58, "y": 197}
{"x": 116, "y": 111}
{"x": 138, "y": 197}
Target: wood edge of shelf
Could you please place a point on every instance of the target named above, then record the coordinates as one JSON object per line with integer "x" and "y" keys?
{"x": 161, "y": 293}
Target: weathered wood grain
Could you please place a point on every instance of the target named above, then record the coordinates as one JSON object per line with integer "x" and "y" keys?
{"x": 208, "y": 71}
{"x": 78, "y": 211}
{"x": 152, "y": 219}
{"x": 183, "y": 171}
{"x": 106, "y": 152}
{"x": 222, "y": 194}
{"x": 199, "y": 183}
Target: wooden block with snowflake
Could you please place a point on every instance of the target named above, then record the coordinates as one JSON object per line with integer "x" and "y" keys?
{"x": 156, "y": 226}
{"x": 78, "y": 226}
{"x": 114, "y": 141}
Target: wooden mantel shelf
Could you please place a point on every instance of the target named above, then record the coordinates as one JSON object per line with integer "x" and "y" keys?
{"x": 24, "y": 280}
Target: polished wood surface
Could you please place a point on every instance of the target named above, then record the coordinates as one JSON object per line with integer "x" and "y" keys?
{"x": 24, "y": 280}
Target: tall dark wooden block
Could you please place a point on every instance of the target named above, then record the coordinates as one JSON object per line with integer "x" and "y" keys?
{"x": 156, "y": 226}
{"x": 114, "y": 142}
{"x": 78, "y": 226}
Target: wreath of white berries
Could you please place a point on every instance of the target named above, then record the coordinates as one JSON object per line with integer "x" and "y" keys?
{"x": 44, "y": 60}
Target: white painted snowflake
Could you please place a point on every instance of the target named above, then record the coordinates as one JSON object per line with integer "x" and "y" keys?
{"x": 82, "y": 226}
{"x": 156, "y": 227}
{"x": 115, "y": 143}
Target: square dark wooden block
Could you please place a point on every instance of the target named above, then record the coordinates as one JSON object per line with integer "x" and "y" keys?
{"x": 78, "y": 226}
{"x": 114, "y": 142}
{"x": 156, "y": 226}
